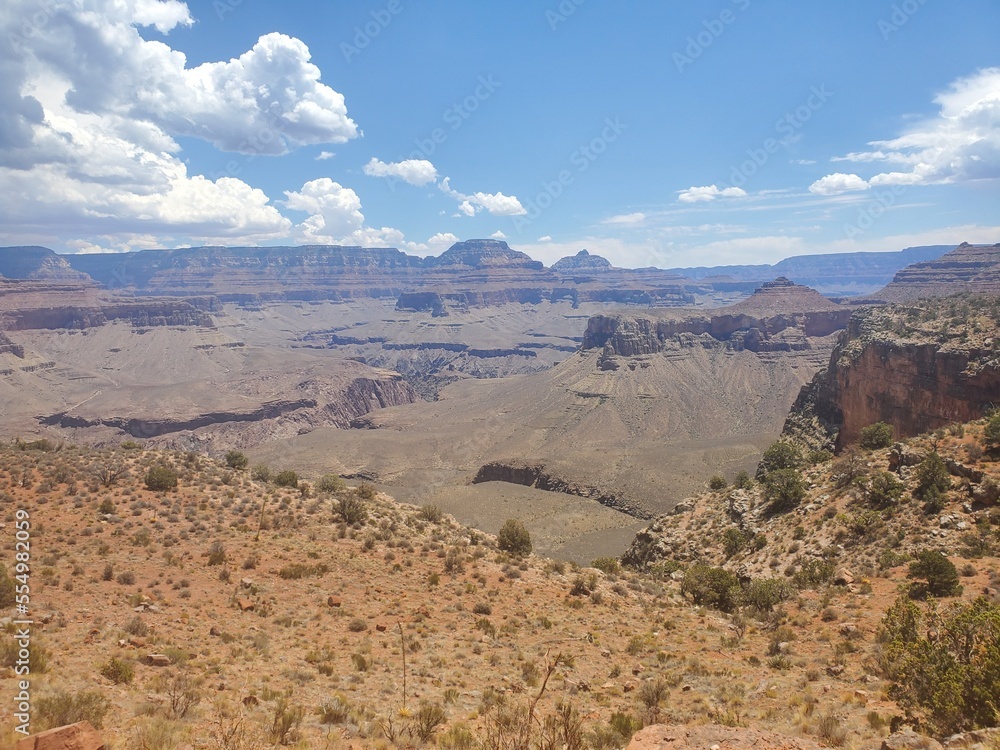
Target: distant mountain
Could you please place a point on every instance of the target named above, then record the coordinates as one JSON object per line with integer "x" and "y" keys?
{"x": 967, "y": 268}
{"x": 37, "y": 263}
{"x": 836, "y": 274}
{"x": 582, "y": 261}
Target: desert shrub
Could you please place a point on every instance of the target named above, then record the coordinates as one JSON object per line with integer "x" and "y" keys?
{"x": 781, "y": 455}
{"x": 366, "y": 491}
{"x": 330, "y": 484}
{"x": 743, "y": 480}
{"x": 875, "y": 436}
{"x": 991, "y": 433}
{"x": 137, "y": 627}
{"x": 107, "y": 507}
{"x": 337, "y": 710}
{"x": 763, "y": 594}
{"x": 161, "y": 478}
{"x": 932, "y": 479}
{"x": 813, "y": 573}
{"x": 458, "y": 736}
{"x": 38, "y": 655}
{"x": 514, "y": 538}
{"x": 118, "y": 671}
{"x": 848, "y": 470}
{"x": 945, "y": 663}
{"x": 714, "y": 587}
{"x": 237, "y": 460}
{"x": 357, "y": 625}
{"x": 287, "y": 478}
{"x": 865, "y": 523}
{"x": 427, "y": 719}
{"x": 156, "y": 733}
{"x": 783, "y": 489}
{"x": 351, "y": 509}
{"x": 717, "y": 482}
{"x": 652, "y": 693}
{"x": 430, "y": 513}
{"x": 295, "y": 571}
{"x": 181, "y": 691}
{"x": 285, "y": 722}
{"x": 608, "y": 565}
{"x": 62, "y": 707}
{"x": 7, "y": 589}
{"x": 938, "y": 572}
{"x": 261, "y": 473}
{"x": 883, "y": 490}
{"x": 127, "y": 578}
{"x": 482, "y": 608}
{"x": 217, "y": 553}
{"x": 734, "y": 540}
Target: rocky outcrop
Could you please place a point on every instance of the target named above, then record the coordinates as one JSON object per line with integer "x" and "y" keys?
{"x": 690, "y": 737}
{"x": 582, "y": 261}
{"x": 79, "y": 736}
{"x": 879, "y": 372}
{"x": 38, "y": 264}
{"x": 780, "y": 316}
{"x": 535, "y": 475}
{"x": 484, "y": 254}
{"x": 967, "y": 268}
{"x": 9, "y": 347}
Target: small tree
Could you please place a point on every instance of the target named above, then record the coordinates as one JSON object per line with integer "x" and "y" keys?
{"x": 932, "y": 480}
{"x": 718, "y": 482}
{"x": 514, "y": 538}
{"x": 783, "y": 489}
{"x": 161, "y": 478}
{"x": 714, "y": 587}
{"x": 991, "y": 433}
{"x": 781, "y": 455}
{"x": 330, "y": 484}
{"x": 938, "y": 571}
{"x": 351, "y": 509}
{"x": 237, "y": 460}
{"x": 286, "y": 478}
{"x": 883, "y": 490}
{"x": 875, "y": 436}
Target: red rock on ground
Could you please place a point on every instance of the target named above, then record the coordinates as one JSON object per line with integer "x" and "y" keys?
{"x": 79, "y": 736}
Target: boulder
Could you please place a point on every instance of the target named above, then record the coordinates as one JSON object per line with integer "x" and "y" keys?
{"x": 79, "y": 736}
{"x": 158, "y": 660}
{"x": 907, "y": 739}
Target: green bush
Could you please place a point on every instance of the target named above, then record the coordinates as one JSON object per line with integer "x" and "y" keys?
{"x": 875, "y": 436}
{"x": 7, "y": 589}
{"x": 734, "y": 540}
{"x": 763, "y": 594}
{"x": 991, "y": 433}
{"x": 287, "y": 478}
{"x": 261, "y": 473}
{"x": 945, "y": 663}
{"x": 217, "y": 553}
{"x": 938, "y": 572}
{"x": 933, "y": 480}
{"x": 783, "y": 489}
{"x": 61, "y": 708}
{"x": 38, "y": 655}
{"x": 717, "y": 482}
{"x": 330, "y": 484}
{"x": 161, "y": 478}
{"x": 118, "y": 671}
{"x": 742, "y": 480}
{"x": 781, "y": 455}
{"x": 366, "y": 491}
{"x": 351, "y": 509}
{"x": 237, "y": 460}
{"x": 713, "y": 587}
{"x": 514, "y": 538}
{"x": 883, "y": 490}
{"x": 608, "y": 565}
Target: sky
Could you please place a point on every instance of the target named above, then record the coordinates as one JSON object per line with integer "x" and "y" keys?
{"x": 654, "y": 132}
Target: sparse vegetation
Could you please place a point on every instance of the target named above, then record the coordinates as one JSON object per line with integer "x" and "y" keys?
{"x": 514, "y": 538}
{"x": 875, "y": 436}
{"x": 161, "y": 479}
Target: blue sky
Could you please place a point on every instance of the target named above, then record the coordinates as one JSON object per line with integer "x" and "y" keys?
{"x": 654, "y": 133}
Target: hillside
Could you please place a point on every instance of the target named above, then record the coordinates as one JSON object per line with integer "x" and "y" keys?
{"x": 233, "y": 607}
{"x": 974, "y": 268}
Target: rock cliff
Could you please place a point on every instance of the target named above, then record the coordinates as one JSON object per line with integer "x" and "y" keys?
{"x": 582, "y": 261}
{"x": 967, "y": 268}
{"x": 918, "y": 367}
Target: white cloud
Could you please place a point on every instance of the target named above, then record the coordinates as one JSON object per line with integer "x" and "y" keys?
{"x": 498, "y": 235}
{"x": 496, "y": 204}
{"x": 628, "y": 220}
{"x": 324, "y": 155}
{"x": 89, "y": 113}
{"x": 803, "y": 162}
{"x": 416, "y": 172}
{"x": 837, "y": 183}
{"x": 546, "y": 238}
{"x": 709, "y": 193}
{"x": 960, "y": 144}
{"x": 441, "y": 242}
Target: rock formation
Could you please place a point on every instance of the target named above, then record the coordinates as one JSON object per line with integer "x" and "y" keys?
{"x": 918, "y": 368}
{"x": 79, "y": 736}
{"x": 582, "y": 261}
{"x": 967, "y": 268}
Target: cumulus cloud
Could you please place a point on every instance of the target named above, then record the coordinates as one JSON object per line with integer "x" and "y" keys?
{"x": 416, "y": 172}
{"x": 324, "y": 155}
{"x": 496, "y": 204}
{"x": 709, "y": 193}
{"x": 498, "y": 235}
{"x": 837, "y": 183}
{"x": 960, "y": 144}
{"x": 90, "y": 112}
